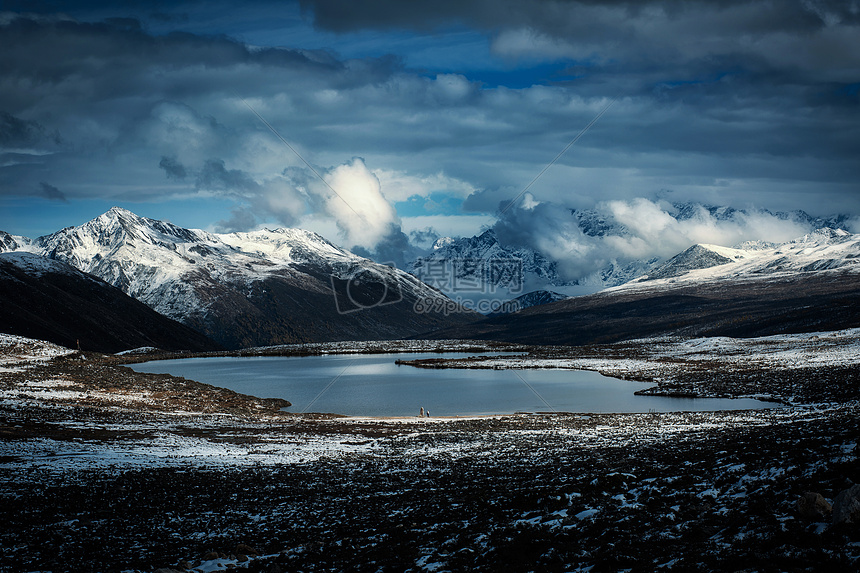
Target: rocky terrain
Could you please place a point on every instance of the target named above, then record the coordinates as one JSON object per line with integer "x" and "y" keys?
{"x": 109, "y": 470}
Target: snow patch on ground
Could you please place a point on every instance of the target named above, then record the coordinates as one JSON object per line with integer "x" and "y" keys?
{"x": 16, "y": 350}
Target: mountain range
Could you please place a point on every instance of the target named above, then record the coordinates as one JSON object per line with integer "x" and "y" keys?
{"x": 247, "y": 289}
{"x": 121, "y": 281}
{"x": 467, "y": 259}
{"x": 809, "y": 284}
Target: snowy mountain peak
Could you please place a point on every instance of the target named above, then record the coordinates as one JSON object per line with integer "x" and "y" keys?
{"x": 442, "y": 242}
{"x": 293, "y": 245}
{"x": 826, "y": 235}
{"x": 695, "y": 257}
{"x": 270, "y": 286}
{"x": 13, "y": 242}
{"x": 823, "y": 250}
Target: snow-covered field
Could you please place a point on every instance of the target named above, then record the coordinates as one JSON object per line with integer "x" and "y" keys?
{"x": 786, "y": 351}
{"x": 106, "y": 469}
{"x": 16, "y": 351}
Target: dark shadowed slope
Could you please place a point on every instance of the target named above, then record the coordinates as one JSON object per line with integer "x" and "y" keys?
{"x": 50, "y": 300}
{"x": 745, "y": 309}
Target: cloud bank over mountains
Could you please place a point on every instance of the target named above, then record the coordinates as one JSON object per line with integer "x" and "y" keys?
{"x": 424, "y": 118}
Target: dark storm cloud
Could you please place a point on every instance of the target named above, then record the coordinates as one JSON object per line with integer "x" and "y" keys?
{"x": 108, "y": 58}
{"x": 558, "y": 16}
{"x": 52, "y": 193}
{"x": 17, "y": 132}
{"x": 216, "y": 177}
{"x": 173, "y": 168}
{"x": 633, "y": 46}
{"x": 120, "y": 95}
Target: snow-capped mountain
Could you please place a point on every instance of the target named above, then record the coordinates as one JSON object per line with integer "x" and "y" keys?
{"x": 823, "y": 250}
{"x": 463, "y": 266}
{"x": 248, "y": 289}
{"x": 480, "y": 267}
{"x": 12, "y": 242}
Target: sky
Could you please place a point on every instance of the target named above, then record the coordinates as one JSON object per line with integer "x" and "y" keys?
{"x": 384, "y": 124}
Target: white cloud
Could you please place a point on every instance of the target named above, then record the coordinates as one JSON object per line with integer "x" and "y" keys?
{"x": 639, "y": 229}
{"x": 353, "y": 196}
{"x": 853, "y": 225}
{"x": 655, "y": 231}
{"x": 400, "y": 185}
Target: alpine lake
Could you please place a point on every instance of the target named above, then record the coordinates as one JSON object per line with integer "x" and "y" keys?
{"x": 374, "y": 385}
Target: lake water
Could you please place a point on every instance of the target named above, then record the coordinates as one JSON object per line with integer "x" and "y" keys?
{"x": 373, "y": 385}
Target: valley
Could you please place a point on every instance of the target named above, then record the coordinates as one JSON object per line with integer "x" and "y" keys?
{"x": 104, "y": 468}
{"x": 325, "y": 286}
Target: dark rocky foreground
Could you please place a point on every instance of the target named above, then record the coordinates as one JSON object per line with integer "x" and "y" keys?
{"x": 565, "y": 492}
{"x": 722, "y": 499}
{"x": 553, "y": 493}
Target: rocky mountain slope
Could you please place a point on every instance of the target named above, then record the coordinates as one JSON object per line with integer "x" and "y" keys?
{"x": 50, "y": 300}
{"x": 805, "y": 285}
{"x": 248, "y": 289}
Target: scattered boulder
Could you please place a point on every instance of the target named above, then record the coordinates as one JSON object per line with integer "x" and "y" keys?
{"x": 617, "y": 481}
{"x": 812, "y": 505}
{"x": 846, "y": 506}
{"x": 243, "y": 549}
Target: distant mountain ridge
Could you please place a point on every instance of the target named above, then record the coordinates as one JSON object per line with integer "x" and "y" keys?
{"x": 824, "y": 249}
{"x": 540, "y": 272}
{"x": 805, "y": 285}
{"x": 248, "y": 289}
{"x": 528, "y": 300}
